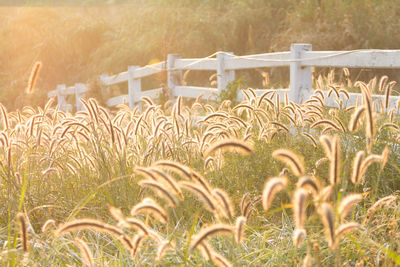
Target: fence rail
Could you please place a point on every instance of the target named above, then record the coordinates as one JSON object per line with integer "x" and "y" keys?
{"x": 300, "y": 59}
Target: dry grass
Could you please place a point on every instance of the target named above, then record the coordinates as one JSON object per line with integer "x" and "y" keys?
{"x": 83, "y": 173}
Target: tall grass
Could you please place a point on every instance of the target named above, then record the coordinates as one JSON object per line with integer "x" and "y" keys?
{"x": 257, "y": 183}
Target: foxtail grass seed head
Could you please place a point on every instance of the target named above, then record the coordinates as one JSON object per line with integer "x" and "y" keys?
{"x": 327, "y": 122}
{"x": 201, "y": 192}
{"x": 206, "y": 250}
{"x": 86, "y": 253}
{"x": 299, "y": 206}
{"x": 320, "y": 162}
{"x": 247, "y": 209}
{"x": 230, "y": 144}
{"x": 294, "y": 162}
{"x": 307, "y": 261}
{"x": 388, "y": 90}
{"x": 23, "y": 231}
{"x": 33, "y": 77}
{"x": 208, "y": 232}
{"x": 161, "y": 190}
{"x": 220, "y": 261}
{"x": 88, "y": 224}
{"x": 137, "y": 242}
{"x": 162, "y": 249}
{"x": 224, "y": 201}
{"x": 347, "y": 203}
{"x": 298, "y": 236}
{"x": 146, "y": 173}
{"x": 5, "y": 120}
{"x": 168, "y": 181}
{"x": 332, "y": 150}
{"x": 334, "y": 167}
{"x": 326, "y": 142}
{"x": 382, "y": 83}
{"x": 209, "y": 163}
{"x": 357, "y": 162}
{"x": 355, "y": 117}
{"x": 284, "y": 172}
{"x": 175, "y": 167}
{"x": 244, "y": 201}
{"x": 328, "y": 219}
{"x": 344, "y": 228}
{"x": 385, "y": 156}
{"x": 363, "y": 87}
{"x": 136, "y": 224}
{"x": 239, "y": 228}
{"x": 309, "y": 183}
{"x": 326, "y": 193}
{"x": 116, "y": 213}
{"x": 377, "y": 205}
{"x": 367, "y": 162}
{"x": 280, "y": 125}
{"x": 148, "y": 205}
{"x": 272, "y": 186}
{"x": 202, "y": 181}
{"x": 48, "y": 224}
{"x": 311, "y": 138}
{"x": 370, "y": 125}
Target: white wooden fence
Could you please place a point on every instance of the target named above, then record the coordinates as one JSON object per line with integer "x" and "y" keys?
{"x": 78, "y": 90}
{"x": 300, "y": 59}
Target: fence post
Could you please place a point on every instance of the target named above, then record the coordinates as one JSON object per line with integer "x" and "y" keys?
{"x": 300, "y": 76}
{"x": 61, "y": 99}
{"x": 79, "y": 93}
{"x": 224, "y": 76}
{"x": 174, "y": 77}
{"x": 102, "y": 79}
{"x": 134, "y": 87}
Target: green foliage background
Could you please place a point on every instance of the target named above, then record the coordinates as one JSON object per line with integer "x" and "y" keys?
{"x": 77, "y": 41}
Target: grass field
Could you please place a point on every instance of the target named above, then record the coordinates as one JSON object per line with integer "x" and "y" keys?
{"x": 256, "y": 183}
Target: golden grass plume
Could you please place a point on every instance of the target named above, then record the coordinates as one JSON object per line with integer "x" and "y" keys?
{"x": 48, "y": 224}
{"x": 299, "y": 206}
{"x": 80, "y": 224}
{"x": 294, "y": 161}
{"x": 86, "y": 253}
{"x": 272, "y": 186}
{"x": 148, "y": 205}
{"x": 328, "y": 219}
{"x": 230, "y": 144}
{"x": 239, "y": 228}
{"x": 298, "y": 236}
{"x": 224, "y": 201}
{"x": 33, "y": 77}
{"x": 162, "y": 190}
{"x": 208, "y": 232}
{"x": 201, "y": 192}
{"x": 347, "y": 203}
{"x": 342, "y": 229}
{"x": 23, "y": 231}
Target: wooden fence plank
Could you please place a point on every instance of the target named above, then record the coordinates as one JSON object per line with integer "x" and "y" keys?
{"x": 121, "y": 99}
{"x": 195, "y": 91}
{"x": 196, "y": 64}
{"x": 353, "y": 59}
{"x": 114, "y": 79}
{"x": 280, "y": 59}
